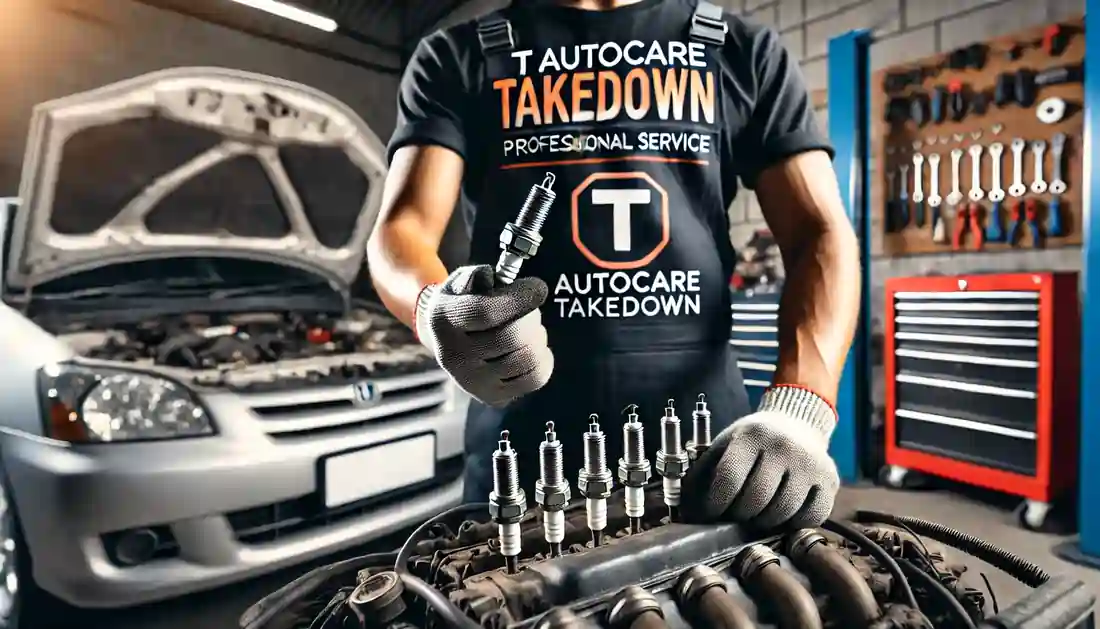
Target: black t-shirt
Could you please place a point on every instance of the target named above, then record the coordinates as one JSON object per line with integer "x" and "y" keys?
{"x": 646, "y": 132}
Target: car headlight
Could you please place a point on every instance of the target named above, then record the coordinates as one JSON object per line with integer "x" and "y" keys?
{"x": 95, "y": 405}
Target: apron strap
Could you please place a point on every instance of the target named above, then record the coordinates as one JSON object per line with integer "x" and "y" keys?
{"x": 708, "y": 25}
{"x": 498, "y": 41}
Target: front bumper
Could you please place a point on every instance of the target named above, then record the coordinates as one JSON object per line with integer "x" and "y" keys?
{"x": 220, "y": 498}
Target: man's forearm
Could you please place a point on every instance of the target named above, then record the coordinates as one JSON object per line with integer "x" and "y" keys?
{"x": 818, "y": 311}
{"x": 403, "y": 259}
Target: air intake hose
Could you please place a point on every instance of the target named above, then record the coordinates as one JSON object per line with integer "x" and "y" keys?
{"x": 830, "y": 571}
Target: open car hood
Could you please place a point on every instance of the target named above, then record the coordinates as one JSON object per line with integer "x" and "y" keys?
{"x": 196, "y": 162}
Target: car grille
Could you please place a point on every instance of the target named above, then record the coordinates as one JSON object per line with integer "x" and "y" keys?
{"x": 267, "y": 523}
{"x": 324, "y": 409}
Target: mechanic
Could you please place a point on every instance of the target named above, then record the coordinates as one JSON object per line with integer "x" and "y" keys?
{"x": 649, "y": 113}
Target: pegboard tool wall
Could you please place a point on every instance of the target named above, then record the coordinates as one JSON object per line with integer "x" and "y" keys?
{"x": 894, "y": 144}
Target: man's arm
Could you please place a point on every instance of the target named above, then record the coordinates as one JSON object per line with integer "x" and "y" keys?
{"x": 420, "y": 194}
{"x": 801, "y": 202}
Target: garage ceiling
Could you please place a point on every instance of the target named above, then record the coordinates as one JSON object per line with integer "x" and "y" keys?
{"x": 374, "y": 34}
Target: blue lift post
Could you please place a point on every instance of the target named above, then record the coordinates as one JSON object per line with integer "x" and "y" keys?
{"x": 849, "y": 131}
{"x": 1087, "y": 549}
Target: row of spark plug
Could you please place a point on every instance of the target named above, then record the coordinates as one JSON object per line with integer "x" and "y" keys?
{"x": 508, "y": 502}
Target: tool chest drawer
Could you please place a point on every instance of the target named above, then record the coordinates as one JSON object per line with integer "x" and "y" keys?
{"x": 754, "y": 337}
{"x": 981, "y": 379}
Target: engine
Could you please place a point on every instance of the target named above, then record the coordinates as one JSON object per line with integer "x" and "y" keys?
{"x": 623, "y": 560}
{"x": 256, "y": 350}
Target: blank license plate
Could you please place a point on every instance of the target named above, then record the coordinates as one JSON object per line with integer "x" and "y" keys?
{"x": 377, "y": 470}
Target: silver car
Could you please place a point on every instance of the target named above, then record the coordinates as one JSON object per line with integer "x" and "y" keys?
{"x": 191, "y": 395}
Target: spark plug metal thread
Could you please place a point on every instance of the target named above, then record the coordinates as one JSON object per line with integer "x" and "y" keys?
{"x": 552, "y": 490}
{"x": 595, "y": 481}
{"x": 672, "y": 460}
{"x": 700, "y": 429}
{"x": 507, "y": 502}
{"x": 634, "y": 468}
{"x": 520, "y": 240}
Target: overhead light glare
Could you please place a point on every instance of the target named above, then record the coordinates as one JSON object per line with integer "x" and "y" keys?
{"x": 292, "y": 13}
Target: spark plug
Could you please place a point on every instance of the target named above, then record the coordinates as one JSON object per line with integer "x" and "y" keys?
{"x": 507, "y": 502}
{"x": 672, "y": 461}
{"x": 595, "y": 480}
{"x": 700, "y": 429}
{"x": 552, "y": 490}
{"x": 634, "y": 469}
{"x": 520, "y": 240}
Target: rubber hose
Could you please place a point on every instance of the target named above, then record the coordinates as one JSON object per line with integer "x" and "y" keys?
{"x": 1010, "y": 563}
{"x": 828, "y": 569}
{"x": 867, "y": 545}
{"x": 447, "y": 611}
{"x": 401, "y": 564}
{"x": 940, "y": 591}
{"x": 716, "y": 609}
{"x": 793, "y": 604}
{"x": 648, "y": 620}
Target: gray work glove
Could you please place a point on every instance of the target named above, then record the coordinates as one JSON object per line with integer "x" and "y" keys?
{"x": 489, "y": 338}
{"x": 769, "y": 469}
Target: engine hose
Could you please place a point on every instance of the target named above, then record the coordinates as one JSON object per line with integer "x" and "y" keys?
{"x": 447, "y": 611}
{"x": 401, "y": 565}
{"x": 701, "y": 595}
{"x": 760, "y": 573}
{"x": 833, "y": 573}
{"x": 1010, "y": 563}
{"x": 939, "y": 590}
{"x": 879, "y": 554}
{"x": 717, "y": 609}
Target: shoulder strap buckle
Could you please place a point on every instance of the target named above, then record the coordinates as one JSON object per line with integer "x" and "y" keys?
{"x": 496, "y": 35}
{"x": 708, "y": 24}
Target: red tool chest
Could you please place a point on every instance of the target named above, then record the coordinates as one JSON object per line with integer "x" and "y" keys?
{"x": 982, "y": 383}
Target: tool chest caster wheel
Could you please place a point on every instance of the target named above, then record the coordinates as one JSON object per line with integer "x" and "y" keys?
{"x": 896, "y": 477}
{"x": 1032, "y": 515}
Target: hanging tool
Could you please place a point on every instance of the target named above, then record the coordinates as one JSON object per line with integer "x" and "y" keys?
{"x": 994, "y": 231}
{"x": 970, "y": 57}
{"x": 1004, "y": 89}
{"x": 918, "y": 108}
{"x": 957, "y": 101}
{"x": 902, "y": 79}
{"x": 1031, "y": 214}
{"x": 1017, "y": 189}
{"x": 1055, "y": 39}
{"x": 918, "y": 189}
{"x": 1051, "y": 110}
{"x": 1025, "y": 214}
{"x": 1057, "y": 186}
{"x": 1026, "y": 90}
{"x": 903, "y": 198}
{"x": 1058, "y": 75}
{"x": 897, "y": 110}
{"x": 974, "y": 221}
{"x": 976, "y": 193}
{"x": 890, "y": 218}
{"x": 956, "y": 194}
{"x": 934, "y": 199}
{"x": 939, "y": 104}
{"x": 958, "y": 229}
{"x": 1038, "y": 150}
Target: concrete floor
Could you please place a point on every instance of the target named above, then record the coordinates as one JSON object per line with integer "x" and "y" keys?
{"x": 991, "y": 520}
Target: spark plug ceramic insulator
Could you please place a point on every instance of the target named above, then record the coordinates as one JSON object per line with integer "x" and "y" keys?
{"x": 552, "y": 490}
{"x": 672, "y": 460}
{"x": 520, "y": 240}
{"x": 507, "y": 502}
{"x": 700, "y": 429}
{"x": 595, "y": 481}
{"x": 634, "y": 468}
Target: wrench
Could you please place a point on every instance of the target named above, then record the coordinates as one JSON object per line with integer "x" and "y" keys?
{"x": 1017, "y": 189}
{"x": 918, "y": 189}
{"x": 934, "y": 198}
{"x": 1038, "y": 149}
{"x": 903, "y": 215}
{"x": 956, "y": 194}
{"x": 994, "y": 232}
{"x": 1057, "y": 144}
{"x": 976, "y": 192}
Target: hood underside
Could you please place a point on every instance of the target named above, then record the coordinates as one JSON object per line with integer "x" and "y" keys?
{"x": 196, "y": 162}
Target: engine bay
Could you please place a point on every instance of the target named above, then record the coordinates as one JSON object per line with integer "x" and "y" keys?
{"x": 625, "y": 560}
{"x": 256, "y": 350}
